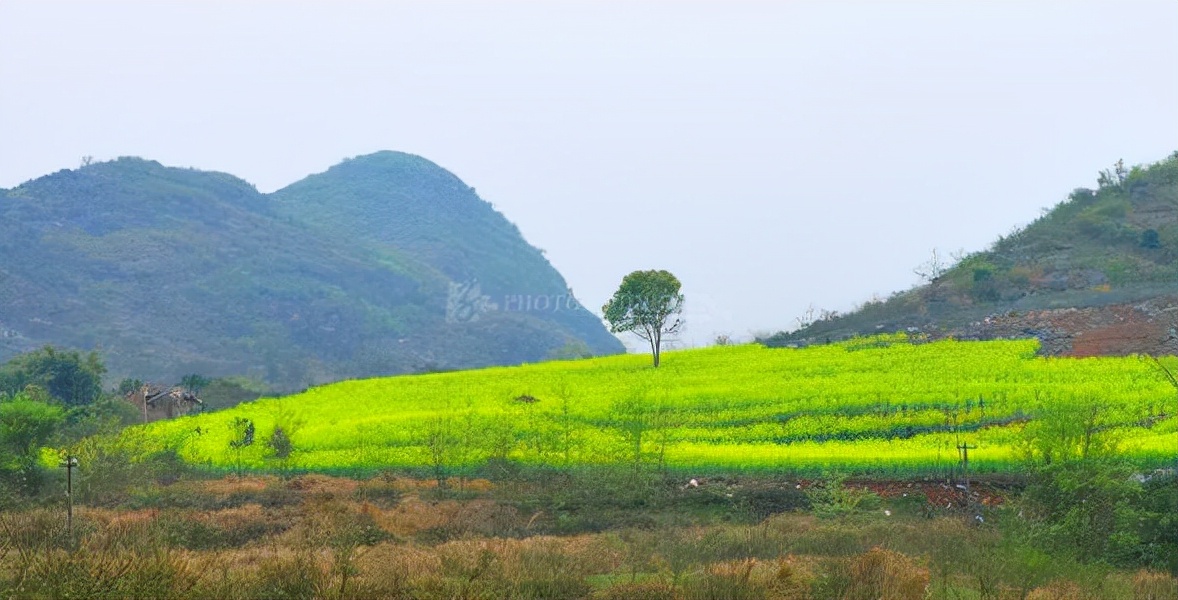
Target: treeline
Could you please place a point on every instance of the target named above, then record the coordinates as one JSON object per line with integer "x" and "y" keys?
{"x": 53, "y": 397}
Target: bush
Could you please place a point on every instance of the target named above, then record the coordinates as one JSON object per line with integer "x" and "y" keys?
{"x": 1058, "y": 590}
{"x": 1151, "y": 585}
{"x": 295, "y": 577}
{"x": 732, "y": 581}
{"x": 1096, "y": 510}
{"x": 833, "y": 498}
{"x": 1150, "y": 239}
{"x": 215, "y": 531}
{"x": 885, "y": 574}
{"x": 68, "y": 376}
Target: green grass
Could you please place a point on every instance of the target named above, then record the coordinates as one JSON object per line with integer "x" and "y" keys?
{"x": 876, "y": 405}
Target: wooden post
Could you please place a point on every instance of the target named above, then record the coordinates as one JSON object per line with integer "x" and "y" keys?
{"x": 69, "y": 463}
{"x": 965, "y": 448}
{"x": 142, "y": 395}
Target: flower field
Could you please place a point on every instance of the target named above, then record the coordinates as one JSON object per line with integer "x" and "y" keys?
{"x": 876, "y": 405}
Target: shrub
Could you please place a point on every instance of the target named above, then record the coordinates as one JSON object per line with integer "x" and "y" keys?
{"x": 1150, "y": 239}
{"x": 1092, "y": 510}
{"x": 289, "y": 578}
{"x": 1058, "y": 590}
{"x": 885, "y": 574}
{"x": 832, "y": 498}
{"x": 1151, "y": 585}
{"x": 732, "y": 580}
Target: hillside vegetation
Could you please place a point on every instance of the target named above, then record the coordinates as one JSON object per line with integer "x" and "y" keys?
{"x": 875, "y": 405}
{"x": 384, "y": 264}
{"x": 1115, "y": 245}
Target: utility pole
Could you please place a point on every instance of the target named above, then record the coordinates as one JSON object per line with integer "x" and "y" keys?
{"x": 70, "y": 463}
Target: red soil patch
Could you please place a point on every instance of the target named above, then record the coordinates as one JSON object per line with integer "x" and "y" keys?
{"x": 937, "y": 494}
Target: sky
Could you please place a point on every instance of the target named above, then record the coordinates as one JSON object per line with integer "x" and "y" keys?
{"x": 773, "y": 155}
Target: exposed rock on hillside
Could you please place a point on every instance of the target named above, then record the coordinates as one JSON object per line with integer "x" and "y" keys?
{"x": 1146, "y": 327}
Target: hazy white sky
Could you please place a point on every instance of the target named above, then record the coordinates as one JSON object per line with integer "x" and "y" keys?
{"x": 772, "y": 155}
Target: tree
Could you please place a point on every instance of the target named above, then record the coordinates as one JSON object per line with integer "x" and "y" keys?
{"x": 128, "y": 385}
{"x": 932, "y": 269}
{"x": 26, "y": 424}
{"x": 70, "y": 377}
{"x": 1065, "y": 432}
{"x": 441, "y": 444}
{"x": 243, "y": 435}
{"x": 649, "y": 304}
{"x": 1150, "y": 239}
{"x": 280, "y": 448}
{"x": 194, "y": 383}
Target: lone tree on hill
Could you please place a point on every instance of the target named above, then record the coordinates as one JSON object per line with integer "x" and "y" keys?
{"x": 649, "y": 304}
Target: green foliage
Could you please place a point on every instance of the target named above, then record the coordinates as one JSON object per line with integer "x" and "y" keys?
{"x": 70, "y": 377}
{"x": 648, "y": 304}
{"x": 1150, "y": 239}
{"x": 1064, "y": 432}
{"x": 228, "y": 392}
{"x": 1157, "y": 525}
{"x": 984, "y": 288}
{"x": 104, "y": 416}
{"x": 1099, "y": 510}
{"x": 280, "y": 448}
{"x": 25, "y": 426}
{"x": 280, "y": 444}
{"x": 832, "y": 498}
{"x": 243, "y": 433}
{"x": 243, "y": 436}
{"x": 107, "y": 471}
{"x": 194, "y": 383}
{"x": 573, "y": 349}
{"x": 128, "y": 385}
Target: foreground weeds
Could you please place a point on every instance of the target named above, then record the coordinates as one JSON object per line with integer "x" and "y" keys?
{"x": 323, "y": 537}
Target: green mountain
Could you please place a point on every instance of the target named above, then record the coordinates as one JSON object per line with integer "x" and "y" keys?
{"x": 384, "y": 264}
{"x": 1098, "y": 274}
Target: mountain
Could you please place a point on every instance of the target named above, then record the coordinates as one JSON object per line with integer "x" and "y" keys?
{"x": 1098, "y": 274}
{"x": 384, "y": 264}
{"x": 399, "y": 204}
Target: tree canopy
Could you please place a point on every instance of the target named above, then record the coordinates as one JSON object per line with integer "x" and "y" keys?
{"x": 26, "y": 424}
{"x": 70, "y": 377}
{"x": 649, "y": 304}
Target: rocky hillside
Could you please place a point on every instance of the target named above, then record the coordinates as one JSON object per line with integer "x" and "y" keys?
{"x": 384, "y": 264}
{"x": 1098, "y": 274}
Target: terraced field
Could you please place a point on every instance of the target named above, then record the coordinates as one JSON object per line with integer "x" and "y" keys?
{"x": 885, "y": 405}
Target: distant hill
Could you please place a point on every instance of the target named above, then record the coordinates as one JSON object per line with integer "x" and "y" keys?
{"x": 384, "y": 264}
{"x": 1098, "y": 274}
